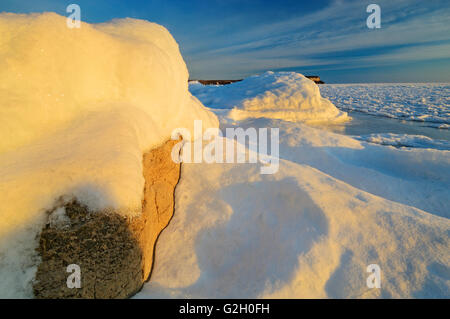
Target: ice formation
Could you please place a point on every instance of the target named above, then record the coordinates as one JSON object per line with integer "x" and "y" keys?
{"x": 423, "y": 102}
{"x": 287, "y": 96}
{"x": 78, "y": 108}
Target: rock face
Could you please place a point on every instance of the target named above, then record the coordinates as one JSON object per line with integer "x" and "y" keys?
{"x": 115, "y": 253}
{"x": 315, "y": 78}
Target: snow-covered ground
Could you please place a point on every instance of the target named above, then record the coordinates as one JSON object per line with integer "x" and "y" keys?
{"x": 429, "y": 103}
{"x": 336, "y": 205}
{"x": 79, "y": 107}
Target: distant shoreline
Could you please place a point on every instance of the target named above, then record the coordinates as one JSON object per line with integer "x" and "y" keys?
{"x": 314, "y": 78}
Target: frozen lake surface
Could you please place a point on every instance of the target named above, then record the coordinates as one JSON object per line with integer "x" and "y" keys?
{"x": 365, "y": 124}
{"x": 411, "y": 115}
{"x": 429, "y": 102}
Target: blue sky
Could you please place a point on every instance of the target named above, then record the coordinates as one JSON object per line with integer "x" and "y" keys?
{"x": 226, "y": 39}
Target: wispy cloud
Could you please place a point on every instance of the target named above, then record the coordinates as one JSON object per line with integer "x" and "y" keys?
{"x": 330, "y": 36}
{"x": 235, "y": 38}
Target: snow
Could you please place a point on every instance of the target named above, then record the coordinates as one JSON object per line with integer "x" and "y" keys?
{"x": 336, "y": 205}
{"x": 405, "y": 140}
{"x": 284, "y": 95}
{"x": 311, "y": 229}
{"x": 428, "y": 103}
{"x": 79, "y": 107}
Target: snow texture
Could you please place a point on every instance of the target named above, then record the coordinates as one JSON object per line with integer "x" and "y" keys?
{"x": 285, "y": 95}
{"x": 337, "y": 205}
{"x": 428, "y": 103}
{"x": 405, "y": 140}
{"x": 78, "y": 108}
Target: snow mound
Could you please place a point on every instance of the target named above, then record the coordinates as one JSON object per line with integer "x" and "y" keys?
{"x": 283, "y": 95}
{"x": 51, "y": 75}
{"x": 336, "y": 206}
{"x": 78, "y": 108}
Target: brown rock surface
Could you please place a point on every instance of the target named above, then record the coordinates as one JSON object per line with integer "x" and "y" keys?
{"x": 115, "y": 253}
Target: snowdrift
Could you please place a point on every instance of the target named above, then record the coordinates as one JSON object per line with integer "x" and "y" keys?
{"x": 336, "y": 206}
{"x": 287, "y": 96}
{"x": 78, "y": 108}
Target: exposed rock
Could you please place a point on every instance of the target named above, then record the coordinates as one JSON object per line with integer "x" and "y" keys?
{"x": 115, "y": 253}
{"x": 315, "y": 78}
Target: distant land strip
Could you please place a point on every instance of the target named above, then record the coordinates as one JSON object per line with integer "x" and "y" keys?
{"x": 314, "y": 78}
